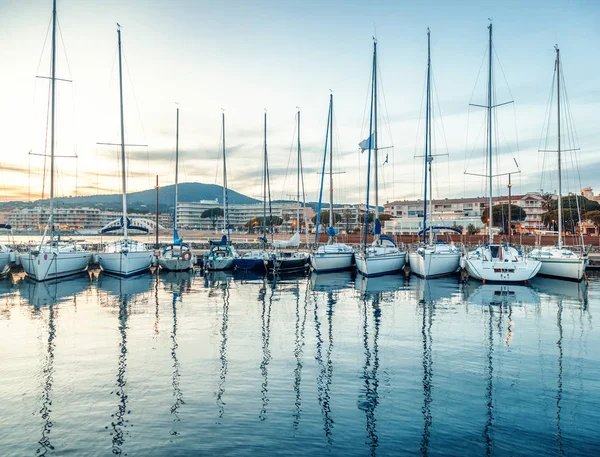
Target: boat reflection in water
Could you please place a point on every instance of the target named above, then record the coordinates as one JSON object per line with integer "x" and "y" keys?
{"x": 325, "y": 293}
{"x": 373, "y": 286}
{"x": 368, "y": 397}
{"x": 40, "y": 294}
{"x": 330, "y": 282}
{"x": 499, "y": 294}
{"x": 217, "y": 278}
{"x": 299, "y": 343}
{"x": 575, "y": 291}
{"x": 128, "y": 291}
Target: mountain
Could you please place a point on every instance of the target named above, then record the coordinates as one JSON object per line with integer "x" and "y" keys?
{"x": 145, "y": 200}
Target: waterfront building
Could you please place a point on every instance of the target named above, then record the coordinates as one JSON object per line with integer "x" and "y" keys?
{"x": 461, "y": 212}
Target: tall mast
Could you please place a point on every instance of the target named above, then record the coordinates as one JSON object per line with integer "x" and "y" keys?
{"x": 427, "y": 144}
{"x": 176, "y": 176}
{"x": 225, "y": 205}
{"x": 123, "y": 168}
{"x": 375, "y": 129}
{"x": 373, "y": 75}
{"x": 560, "y": 215}
{"x": 265, "y": 183}
{"x": 490, "y": 107}
{"x": 52, "y": 121}
{"x": 298, "y": 179}
{"x": 331, "y": 215}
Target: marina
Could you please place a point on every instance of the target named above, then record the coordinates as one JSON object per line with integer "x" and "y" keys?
{"x": 182, "y": 363}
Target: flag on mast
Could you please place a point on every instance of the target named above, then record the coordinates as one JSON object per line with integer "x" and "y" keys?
{"x": 366, "y": 143}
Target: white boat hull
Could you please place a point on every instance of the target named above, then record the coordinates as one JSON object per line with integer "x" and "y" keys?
{"x": 379, "y": 264}
{"x": 322, "y": 261}
{"x": 42, "y": 266}
{"x": 4, "y": 262}
{"x": 219, "y": 263}
{"x": 125, "y": 264}
{"x": 560, "y": 263}
{"x": 175, "y": 263}
{"x": 429, "y": 264}
{"x": 500, "y": 264}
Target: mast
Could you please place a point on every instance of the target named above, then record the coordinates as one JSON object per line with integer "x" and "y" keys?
{"x": 175, "y": 234}
{"x": 298, "y": 180}
{"x": 373, "y": 75}
{"x": 560, "y": 215}
{"x": 490, "y": 107}
{"x": 225, "y": 206}
{"x": 375, "y": 130}
{"x": 331, "y": 215}
{"x": 265, "y": 185}
{"x": 427, "y": 144}
{"x": 53, "y": 92}
{"x": 123, "y": 169}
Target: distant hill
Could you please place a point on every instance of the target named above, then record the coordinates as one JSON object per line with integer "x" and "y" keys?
{"x": 145, "y": 200}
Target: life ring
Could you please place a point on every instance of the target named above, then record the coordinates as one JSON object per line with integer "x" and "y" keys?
{"x": 187, "y": 255}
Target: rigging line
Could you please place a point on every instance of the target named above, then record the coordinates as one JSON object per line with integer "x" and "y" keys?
{"x": 442, "y": 126}
{"x": 135, "y": 100}
{"x": 418, "y": 133}
{"x": 571, "y": 128}
{"x": 547, "y": 121}
{"x": 291, "y": 151}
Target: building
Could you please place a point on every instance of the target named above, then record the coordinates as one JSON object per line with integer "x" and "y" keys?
{"x": 189, "y": 214}
{"x": 461, "y": 212}
{"x": 64, "y": 218}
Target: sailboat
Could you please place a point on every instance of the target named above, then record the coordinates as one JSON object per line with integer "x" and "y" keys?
{"x": 383, "y": 256}
{"x": 496, "y": 262}
{"x": 283, "y": 260}
{"x": 125, "y": 257}
{"x": 558, "y": 261}
{"x": 431, "y": 259}
{"x": 53, "y": 259}
{"x": 221, "y": 254}
{"x": 332, "y": 256}
{"x": 255, "y": 259}
{"x": 177, "y": 256}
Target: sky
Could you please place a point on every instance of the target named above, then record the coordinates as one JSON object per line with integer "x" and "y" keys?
{"x": 247, "y": 57}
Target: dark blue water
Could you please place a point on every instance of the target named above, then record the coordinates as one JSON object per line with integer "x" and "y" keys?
{"x": 180, "y": 364}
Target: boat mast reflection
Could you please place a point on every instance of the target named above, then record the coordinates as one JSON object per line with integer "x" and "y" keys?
{"x": 265, "y": 317}
{"x": 559, "y": 386}
{"x": 427, "y": 308}
{"x": 177, "y": 394}
{"x": 325, "y": 366}
{"x": 119, "y": 422}
{"x": 369, "y": 396}
{"x": 299, "y": 352}
{"x": 224, "y": 285}
{"x": 48, "y": 371}
{"x": 489, "y": 390}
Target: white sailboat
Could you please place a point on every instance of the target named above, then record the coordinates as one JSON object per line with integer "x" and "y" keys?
{"x": 383, "y": 256}
{"x": 7, "y": 255}
{"x": 177, "y": 256}
{"x": 221, "y": 254}
{"x": 125, "y": 257}
{"x": 4, "y": 259}
{"x": 53, "y": 259}
{"x": 431, "y": 259}
{"x": 558, "y": 261}
{"x": 332, "y": 256}
{"x": 497, "y": 262}
{"x": 287, "y": 258}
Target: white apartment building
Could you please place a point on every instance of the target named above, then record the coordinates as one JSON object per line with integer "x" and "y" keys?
{"x": 189, "y": 214}
{"x": 461, "y": 211}
{"x": 64, "y": 218}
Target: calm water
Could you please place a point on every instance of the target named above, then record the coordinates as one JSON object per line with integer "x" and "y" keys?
{"x": 180, "y": 364}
